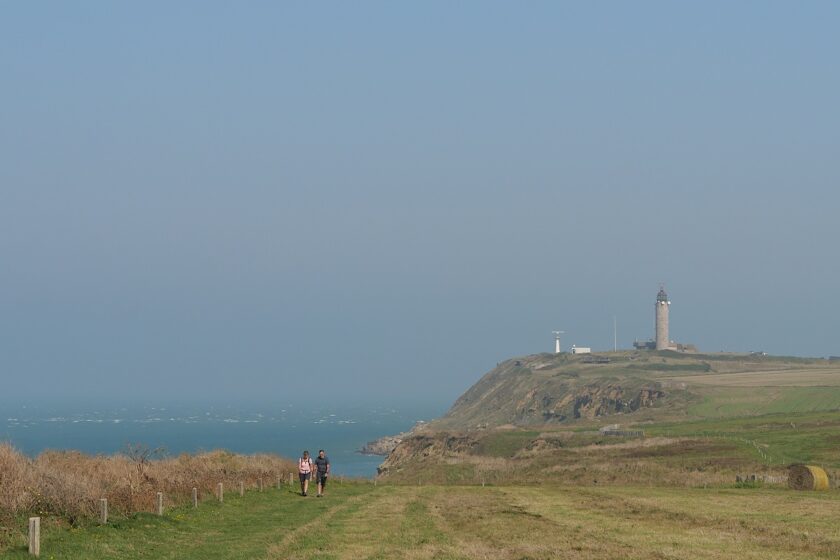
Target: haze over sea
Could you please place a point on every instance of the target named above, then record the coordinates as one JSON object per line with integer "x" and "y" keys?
{"x": 286, "y": 429}
{"x": 341, "y": 202}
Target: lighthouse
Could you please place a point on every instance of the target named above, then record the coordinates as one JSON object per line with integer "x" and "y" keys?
{"x": 662, "y": 306}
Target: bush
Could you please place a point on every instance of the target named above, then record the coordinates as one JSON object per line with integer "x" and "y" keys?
{"x": 69, "y": 484}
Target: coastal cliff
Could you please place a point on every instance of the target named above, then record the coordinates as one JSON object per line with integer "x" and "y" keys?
{"x": 386, "y": 444}
{"x": 547, "y": 388}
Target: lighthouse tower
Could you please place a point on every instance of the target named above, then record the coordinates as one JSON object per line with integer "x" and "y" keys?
{"x": 662, "y": 306}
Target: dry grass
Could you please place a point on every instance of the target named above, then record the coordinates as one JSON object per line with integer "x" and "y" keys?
{"x": 517, "y": 523}
{"x": 526, "y": 522}
{"x": 69, "y": 484}
{"x": 784, "y": 378}
{"x": 586, "y": 460}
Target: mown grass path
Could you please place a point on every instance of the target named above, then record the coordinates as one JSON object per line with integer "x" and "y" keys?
{"x": 358, "y": 521}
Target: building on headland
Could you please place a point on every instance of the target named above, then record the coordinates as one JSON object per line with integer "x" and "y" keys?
{"x": 581, "y": 350}
{"x": 663, "y": 305}
{"x": 662, "y": 339}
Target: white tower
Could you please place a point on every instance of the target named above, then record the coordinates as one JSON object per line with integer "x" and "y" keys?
{"x": 662, "y": 307}
{"x": 557, "y": 340}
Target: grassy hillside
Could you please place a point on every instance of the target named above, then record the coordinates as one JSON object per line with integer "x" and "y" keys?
{"x": 643, "y": 386}
{"x": 684, "y": 420}
{"x": 691, "y": 453}
{"x": 360, "y": 521}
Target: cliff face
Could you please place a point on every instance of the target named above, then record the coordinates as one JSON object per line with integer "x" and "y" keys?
{"x": 386, "y": 444}
{"x": 549, "y": 388}
{"x": 383, "y": 445}
{"x": 520, "y": 416}
{"x": 427, "y": 447}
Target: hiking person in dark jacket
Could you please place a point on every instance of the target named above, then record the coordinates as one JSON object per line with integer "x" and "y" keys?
{"x": 322, "y": 466}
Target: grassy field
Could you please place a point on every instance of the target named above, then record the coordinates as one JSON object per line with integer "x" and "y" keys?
{"x": 710, "y": 451}
{"x": 742, "y": 401}
{"x": 358, "y": 520}
{"x": 784, "y": 437}
{"x": 662, "y": 487}
{"x": 773, "y": 378}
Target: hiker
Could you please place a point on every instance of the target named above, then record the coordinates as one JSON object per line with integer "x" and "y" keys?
{"x": 304, "y": 472}
{"x": 322, "y": 465}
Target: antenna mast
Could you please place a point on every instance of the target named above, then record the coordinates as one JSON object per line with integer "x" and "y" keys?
{"x": 615, "y": 334}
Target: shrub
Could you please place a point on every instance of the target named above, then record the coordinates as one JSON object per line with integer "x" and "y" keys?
{"x": 69, "y": 484}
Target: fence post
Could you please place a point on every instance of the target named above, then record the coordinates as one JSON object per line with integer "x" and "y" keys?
{"x": 279, "y": 482}
{"x": 221, "y": 492}
{"x": 35, "y": 536}
{"x": 241, "y": 488}
{"x": 103, "y": 510}
{"x": 260, "y": 484}
{"x": 290, "y": 479}
{"x": 160, "y": 503}
{"x": 195, "y": 497}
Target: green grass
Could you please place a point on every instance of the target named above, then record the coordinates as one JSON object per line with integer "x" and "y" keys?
{"x": 359, "y": 521}
{"x": 239, "y": 528}
{"x": 504, "y": 444}
{"x": 784, "y": 437}
{"x": 806, "y": 399}
{"x": 740, "y": 401}
{"x": 701, "y": 367}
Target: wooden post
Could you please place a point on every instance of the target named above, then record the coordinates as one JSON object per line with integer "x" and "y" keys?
{"x": 103, "y": 510}
{"x": 260, "y": 484}
{"x": 241, "y": 488}
{"x": 160, "y": 503}
{"x": 290, "y": 478}
{"x": 195, "y": 497}
{"x": 35, "y": 536}
{"x": 279, "y": 482}
{"x": 221, "y": 492}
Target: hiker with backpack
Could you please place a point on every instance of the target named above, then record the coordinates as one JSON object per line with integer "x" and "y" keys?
{"x": 304, "y": 472}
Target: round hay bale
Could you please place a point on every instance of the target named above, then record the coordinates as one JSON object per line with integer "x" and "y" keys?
{"x": 807, "y": 477}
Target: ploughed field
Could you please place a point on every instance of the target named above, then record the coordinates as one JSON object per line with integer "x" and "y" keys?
{"x": 359, "y": 520}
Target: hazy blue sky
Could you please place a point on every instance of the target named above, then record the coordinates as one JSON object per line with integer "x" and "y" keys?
{"x": 382, "y": 200}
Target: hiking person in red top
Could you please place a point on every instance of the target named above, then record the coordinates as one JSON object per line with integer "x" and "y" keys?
{"x": 304, "y": 472}
{"x": 322, "y": 466}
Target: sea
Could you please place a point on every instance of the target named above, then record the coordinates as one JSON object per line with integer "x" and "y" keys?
{"x": 171, "y": 429}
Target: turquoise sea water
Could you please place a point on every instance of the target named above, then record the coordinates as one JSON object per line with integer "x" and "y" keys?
{"x": 283, "y": 429}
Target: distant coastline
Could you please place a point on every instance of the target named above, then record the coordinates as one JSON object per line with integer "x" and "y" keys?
{"x": 384, "y": 445}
